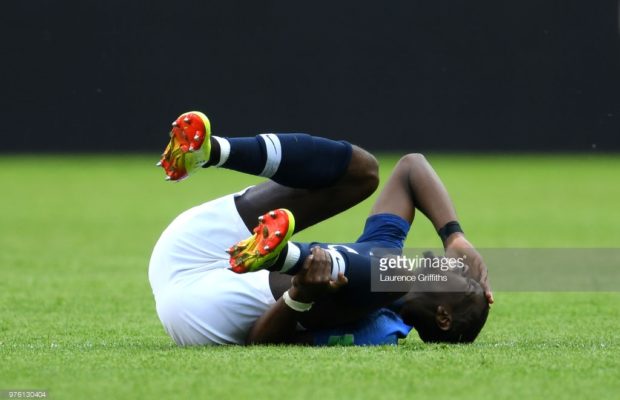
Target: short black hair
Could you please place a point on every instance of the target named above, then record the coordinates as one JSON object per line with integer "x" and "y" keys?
{"x": 468, "y": 317}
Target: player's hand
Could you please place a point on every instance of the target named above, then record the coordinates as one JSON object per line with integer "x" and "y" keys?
{"x": 458, "y": 246}
{"x": 315, "y": 278}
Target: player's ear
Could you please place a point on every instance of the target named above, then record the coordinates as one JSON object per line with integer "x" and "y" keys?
{"x": 443, "y": 318}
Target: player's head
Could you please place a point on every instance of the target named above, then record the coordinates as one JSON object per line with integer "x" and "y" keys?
{"x": 448, "y": 316}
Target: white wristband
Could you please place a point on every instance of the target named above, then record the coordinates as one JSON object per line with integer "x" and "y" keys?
{"x": 296, "y": 305}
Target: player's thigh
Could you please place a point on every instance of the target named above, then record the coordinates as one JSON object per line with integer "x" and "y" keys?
{"x": 217, "y": 308}
{"x": 310, "y": 206}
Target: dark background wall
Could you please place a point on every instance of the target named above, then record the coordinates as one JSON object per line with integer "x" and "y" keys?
{"x": 400, "y": 75}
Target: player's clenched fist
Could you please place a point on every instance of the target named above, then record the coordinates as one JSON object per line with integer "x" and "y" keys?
{"x": 315, "y": 277}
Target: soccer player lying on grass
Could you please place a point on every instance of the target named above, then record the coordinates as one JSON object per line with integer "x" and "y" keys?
{"x": 267, "y": 287}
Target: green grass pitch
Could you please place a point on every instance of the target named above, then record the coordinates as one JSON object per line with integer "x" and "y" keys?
{"x": 77, "y": 316}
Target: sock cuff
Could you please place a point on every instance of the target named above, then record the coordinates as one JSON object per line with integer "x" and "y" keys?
{"x": 274, "y": 154}
{"x": 292, "y": 256}
{"x": 224, "y": 150}
{"x": 338, "y": 263}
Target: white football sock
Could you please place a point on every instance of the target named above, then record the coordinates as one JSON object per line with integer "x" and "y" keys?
{"x": 292, "y": 256}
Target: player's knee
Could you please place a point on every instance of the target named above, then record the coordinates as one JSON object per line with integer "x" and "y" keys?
{"x": 414, "y": 158}
{"x": 410, "y": 161}
{"x": 364, "y": 169}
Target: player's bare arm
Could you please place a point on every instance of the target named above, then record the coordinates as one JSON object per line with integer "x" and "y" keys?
{"x": 413, "y": 185}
